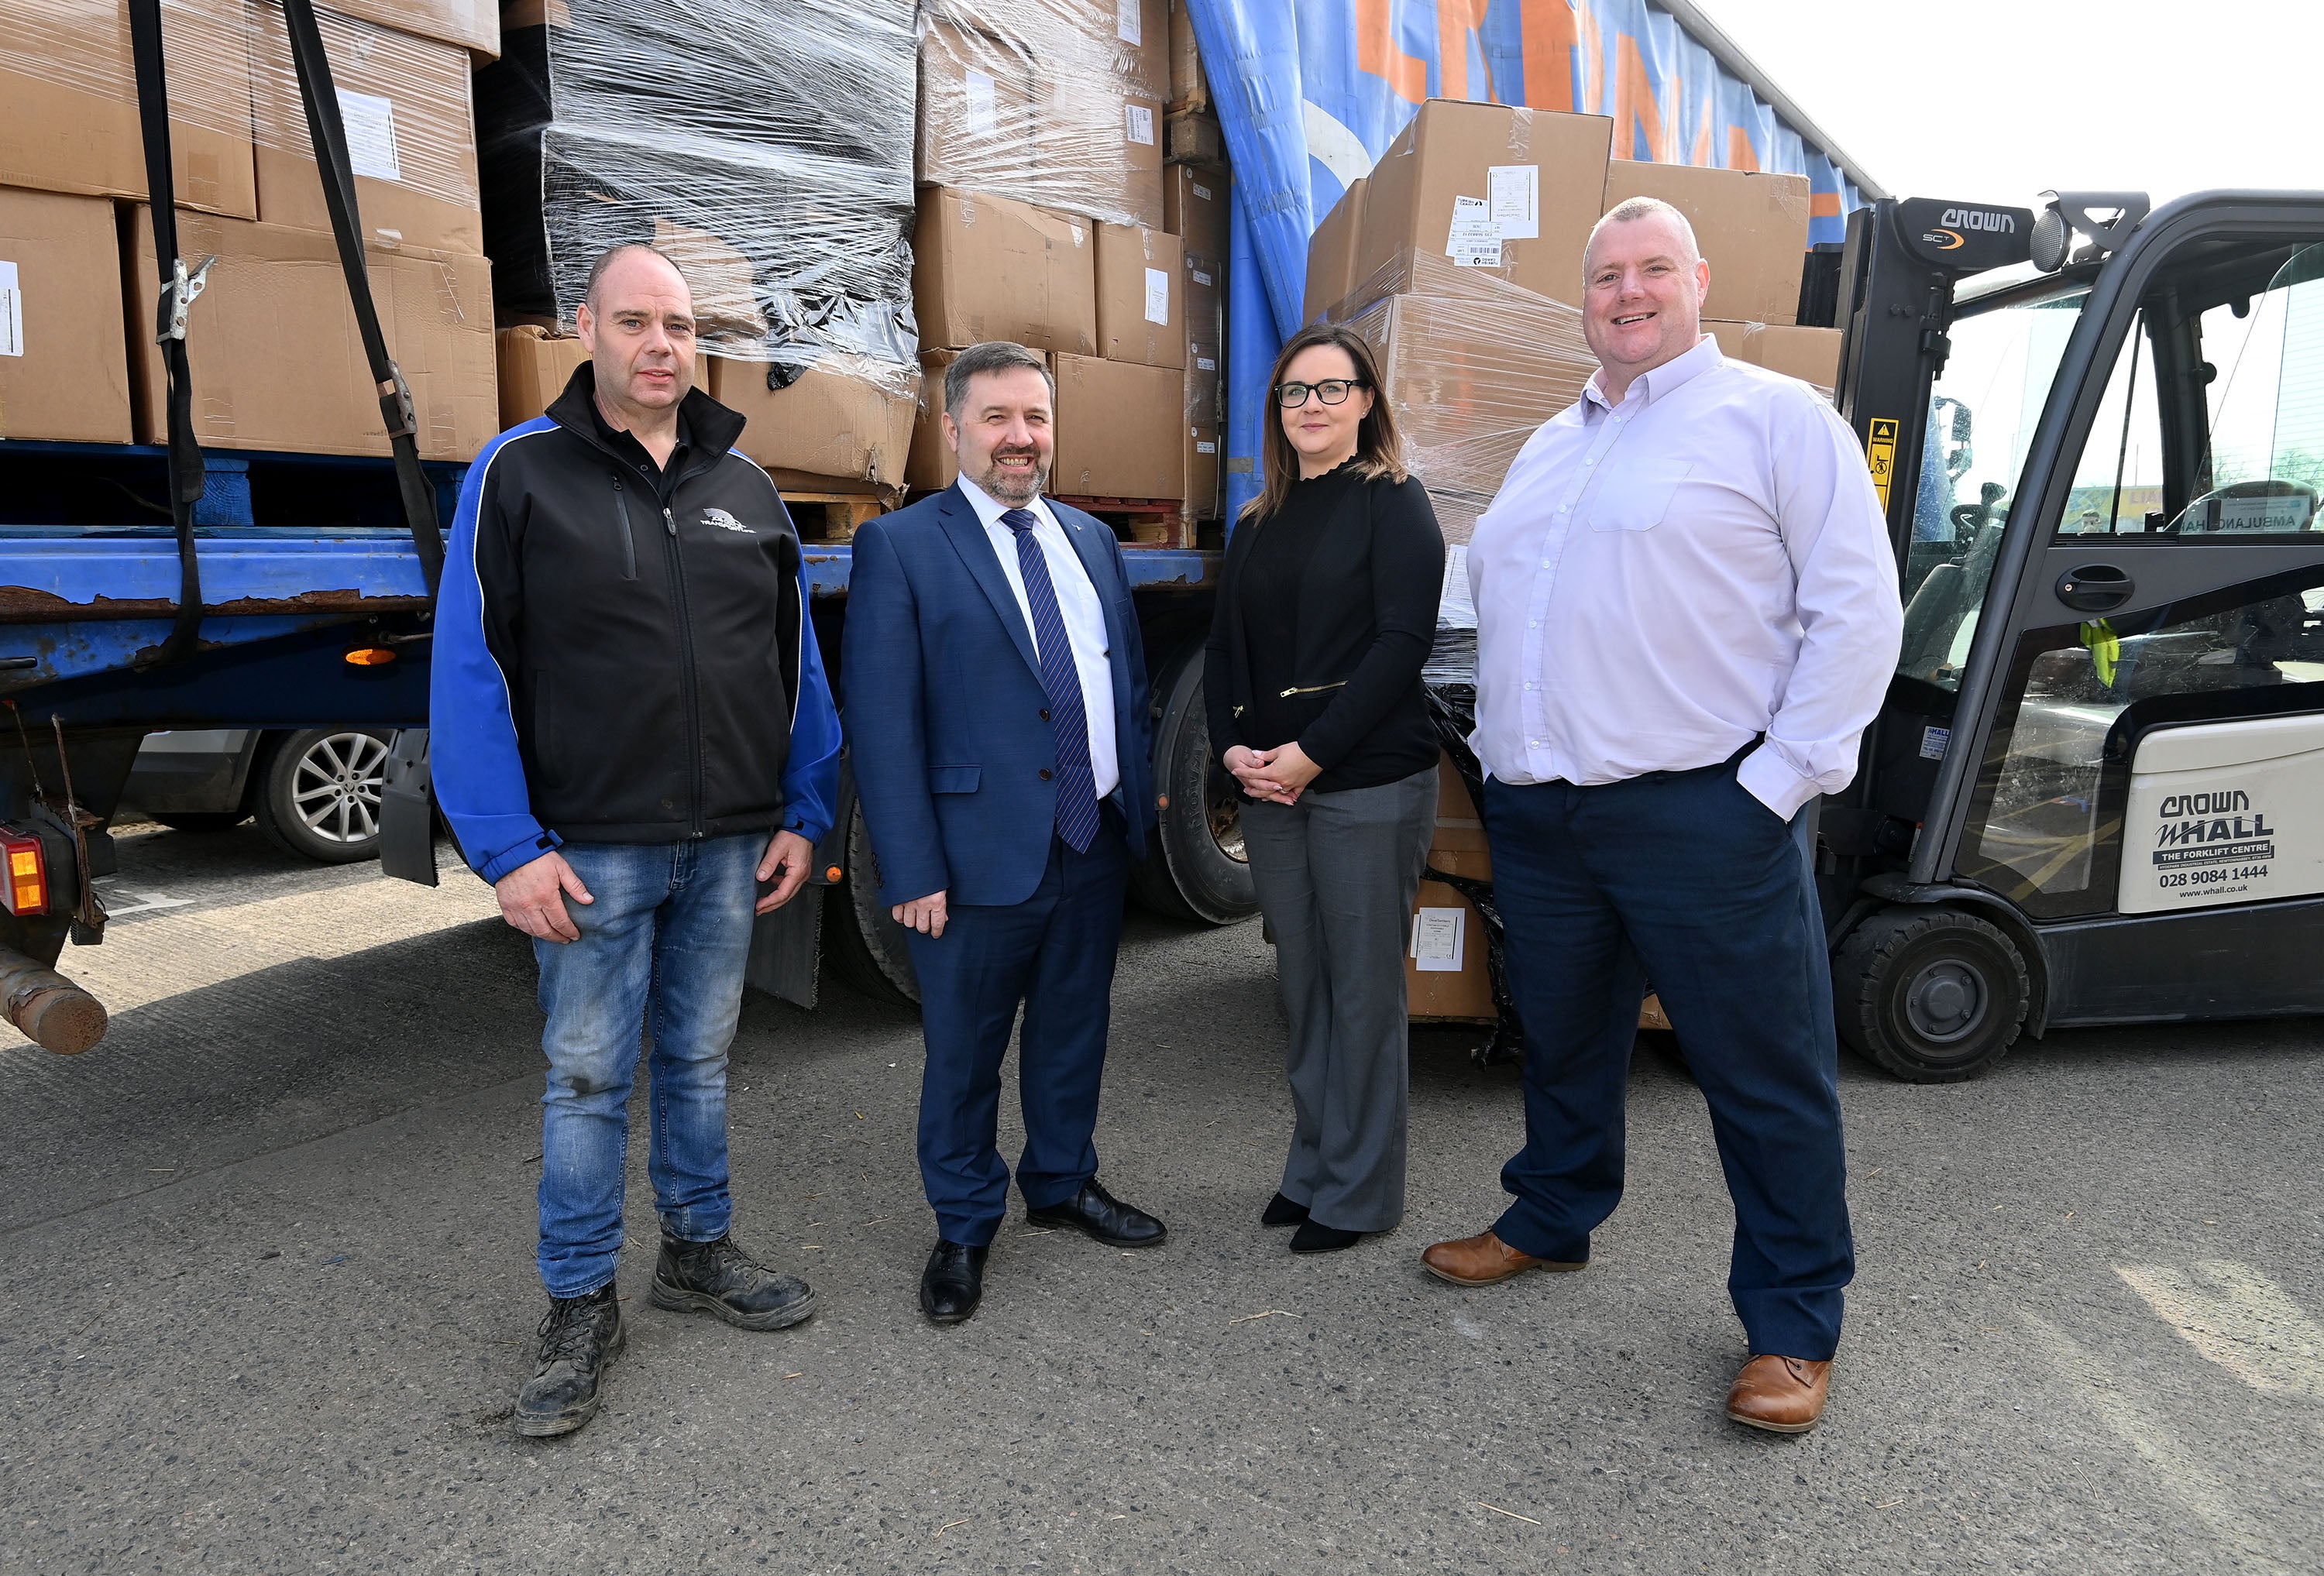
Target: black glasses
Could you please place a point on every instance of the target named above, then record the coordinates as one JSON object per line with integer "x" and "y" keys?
{"x": 1331, "y": 390}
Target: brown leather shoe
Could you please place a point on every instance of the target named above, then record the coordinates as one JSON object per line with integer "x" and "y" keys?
{"x": 1480, "y": 1260}
{"x": 1783, "y": 1395}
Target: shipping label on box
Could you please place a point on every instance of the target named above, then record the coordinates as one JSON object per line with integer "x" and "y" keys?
{"x": 11, "y": 311}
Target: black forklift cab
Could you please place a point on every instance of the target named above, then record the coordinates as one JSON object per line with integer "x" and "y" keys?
{"x": 2095, "y": 793}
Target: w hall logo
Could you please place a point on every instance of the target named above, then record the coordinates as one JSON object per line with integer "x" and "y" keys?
{"x": 725, "y": 522}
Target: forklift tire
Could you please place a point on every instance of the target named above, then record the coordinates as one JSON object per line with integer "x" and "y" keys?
{"x": 868, "y": 950}
{"x": 1931, "y": 995}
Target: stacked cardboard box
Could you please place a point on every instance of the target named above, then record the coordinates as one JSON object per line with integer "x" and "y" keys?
{"x": 276, "y": 361}
{"x": 1445, "y": 977}
{"x": 1055, "y": 102}
{"x": 1196, "y": 198}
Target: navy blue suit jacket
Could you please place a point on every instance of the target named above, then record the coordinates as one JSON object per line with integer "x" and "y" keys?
{"x": 945, "y": 700}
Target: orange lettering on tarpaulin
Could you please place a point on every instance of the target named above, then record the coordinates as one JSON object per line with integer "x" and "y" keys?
{"x": 1593, "y": 63}
{"x": 1823, "y": 205}
{"x": 1378, "y": 52}
{"x": 1457, "y": 21}
{"x": 1700, "y": 156}
{"x": 1635, "y": 108}
{"x": 1739, "y": 155}
{"x": 1546, "y": 27}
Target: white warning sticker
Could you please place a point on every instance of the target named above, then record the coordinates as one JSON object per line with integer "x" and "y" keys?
{"x": 1128, "y": 25}
{"x": 11, "y": 311}
{"x": 1141, "y": 118}
{"x": 370, "y": 122}
{"x": 1158, "y": 296}
{"x": 978, "y": 89}
{"x": 1437, "y": 937}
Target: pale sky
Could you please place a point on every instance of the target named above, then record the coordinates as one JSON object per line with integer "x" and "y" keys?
{"x": 1998, "y": 100}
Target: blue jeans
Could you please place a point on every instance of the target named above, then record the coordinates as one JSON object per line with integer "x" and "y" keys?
{"x": 1685, "y": 879}
{"x": 663, "y": 947}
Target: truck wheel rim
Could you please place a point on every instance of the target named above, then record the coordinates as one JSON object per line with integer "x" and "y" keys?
{"x": 335, "y": 787}
{"x": 1945, "y": 1003}
{"x": 1223, "y": 810}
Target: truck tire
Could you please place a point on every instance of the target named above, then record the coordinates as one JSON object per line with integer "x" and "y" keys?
{"x": 319, "y": 793}
{"x": 1931, "y": 995}
{"x": 1198, "y": 871}
{"x": 868, "y": 950}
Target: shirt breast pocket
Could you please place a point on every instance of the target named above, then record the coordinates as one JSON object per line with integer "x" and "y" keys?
{"x": 1636, "y": 497}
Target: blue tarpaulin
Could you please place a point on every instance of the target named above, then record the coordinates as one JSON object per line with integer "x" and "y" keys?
{"x": 1311, "y": 92}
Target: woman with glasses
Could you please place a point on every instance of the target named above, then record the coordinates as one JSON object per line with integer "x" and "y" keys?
{"x": 1326, "y": 609}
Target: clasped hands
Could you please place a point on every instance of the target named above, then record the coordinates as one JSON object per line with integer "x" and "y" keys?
{"x": 1277, "y": 776}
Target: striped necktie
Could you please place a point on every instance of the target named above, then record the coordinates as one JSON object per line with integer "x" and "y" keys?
{"x": 1068, "y": 719}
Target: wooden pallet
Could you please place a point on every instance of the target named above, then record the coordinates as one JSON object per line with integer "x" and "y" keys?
{"x": 831, "y": 517}
{"x": 1145, "y": 522}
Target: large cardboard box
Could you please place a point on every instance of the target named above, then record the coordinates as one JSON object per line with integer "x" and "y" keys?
{"x": 1202, "y": 471}
{"x": 931, "y": 465}
{"x": 1104, "y": 138}
{"x": 1809, "y": 353}
{"x": 1753, "y": 227}
{"x": 979, "y": 109}
{"x": 411, "y": 136}
{"x": 1207, "y": 399}
{"x": 68, "y": 101}
{"x": 1120, "y": 429}
{"x": 64, "y": 363}
{"x": 1142, "y": 309}
{"x": 987, "y": 267}
{"x": 1194, "y": 208}
{"x": 1331, "y": 253}
{"x": 1446, "y": 976}
{"x": 1138, "y": 33}
{"x": 848, "y": 419}
{"x": 535, "y": 365}
{"x": 1504, "y": 190}
{"x": 1203, "y": 290}
{"x": 473, "y": 26}
{"x": 1190, "y": 88}
{"x": 277, "y": 362}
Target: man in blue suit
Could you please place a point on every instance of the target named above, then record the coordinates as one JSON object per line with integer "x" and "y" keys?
{"x": 997, "y": 713}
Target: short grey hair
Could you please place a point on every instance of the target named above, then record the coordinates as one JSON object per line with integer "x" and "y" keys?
{"x": 612, "y": 254}
{"x": 1631, "y": 209}
{"x": 991, "y": 356}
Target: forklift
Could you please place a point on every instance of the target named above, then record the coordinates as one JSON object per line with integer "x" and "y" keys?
{"x": 2095, "y": 791}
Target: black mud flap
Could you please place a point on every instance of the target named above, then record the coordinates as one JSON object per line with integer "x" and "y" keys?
{"x": 407, "y": 811}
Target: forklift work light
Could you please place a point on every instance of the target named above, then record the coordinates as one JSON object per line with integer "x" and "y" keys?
{"x": 371, "y": 657}
{"x": 25, "y": 891}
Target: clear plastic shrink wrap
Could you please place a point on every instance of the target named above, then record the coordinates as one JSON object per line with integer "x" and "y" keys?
{"x": 1472, "y": 365}
{"x": 1053, "y": 102}
{"x": 68, "y": 101}
{"x": 766, "y": 144}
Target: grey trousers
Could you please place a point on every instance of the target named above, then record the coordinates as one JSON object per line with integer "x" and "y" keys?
{"x": 1336, "y": 875}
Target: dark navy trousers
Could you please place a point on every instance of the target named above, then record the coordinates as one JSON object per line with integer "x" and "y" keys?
{"x": 1054, "y": 953}
{"x": 1686, "y": 880}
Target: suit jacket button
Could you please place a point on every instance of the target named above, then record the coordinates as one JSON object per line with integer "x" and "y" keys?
{"x": 1045, "y": 774}
{"x": 1045, "y": 714}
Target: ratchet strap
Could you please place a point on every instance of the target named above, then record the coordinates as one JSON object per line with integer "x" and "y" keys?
{"x": 329, "y": 136}
{"x": 179, "y": 289}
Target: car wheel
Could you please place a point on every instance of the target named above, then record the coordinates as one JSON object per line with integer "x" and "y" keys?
{"x": 1931, "y": 995}
{"x": 199, "y": 820}
{"x": 318, "y": 797}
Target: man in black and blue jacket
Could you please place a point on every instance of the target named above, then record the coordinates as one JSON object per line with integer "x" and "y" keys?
{"x": 631, "y": 735}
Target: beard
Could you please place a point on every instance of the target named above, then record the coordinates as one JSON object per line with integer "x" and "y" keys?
{"x": 1014, "y": 488}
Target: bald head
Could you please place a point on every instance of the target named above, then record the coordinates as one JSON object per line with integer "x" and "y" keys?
{"x": 637, "y": 323}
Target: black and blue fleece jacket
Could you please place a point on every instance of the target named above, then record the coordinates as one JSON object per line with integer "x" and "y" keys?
{"x": 621, "y": 655}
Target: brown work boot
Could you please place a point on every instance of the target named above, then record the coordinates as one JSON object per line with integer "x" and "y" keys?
{"x": 1783, "y": 1395}
{"x": 1480, "y": 1260}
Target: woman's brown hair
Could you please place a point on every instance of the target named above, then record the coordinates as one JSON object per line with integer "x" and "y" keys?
{"x": 1379, "y": 451}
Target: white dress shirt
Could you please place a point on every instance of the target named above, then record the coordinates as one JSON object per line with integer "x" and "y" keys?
{"x": 1659, "y": 581}
{"x": 1077, "y": 604}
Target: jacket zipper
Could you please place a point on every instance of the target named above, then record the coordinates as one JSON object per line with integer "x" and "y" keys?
{"x": 1310, "y": 689}
{"x": 694, "y": 826}
{"x": 629, "y": 538}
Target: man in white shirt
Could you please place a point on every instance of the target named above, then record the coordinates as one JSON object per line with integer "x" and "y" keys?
{"x": 997, "y": 718}
{"x": 1687, "y": 614}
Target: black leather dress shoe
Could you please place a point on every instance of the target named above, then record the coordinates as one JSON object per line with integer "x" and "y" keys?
{"x": 1102, "y": 1216}
{"x": 954, "y": 1282}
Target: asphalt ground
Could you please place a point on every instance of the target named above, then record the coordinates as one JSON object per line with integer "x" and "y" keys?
{"x": 267, "y": 1292}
